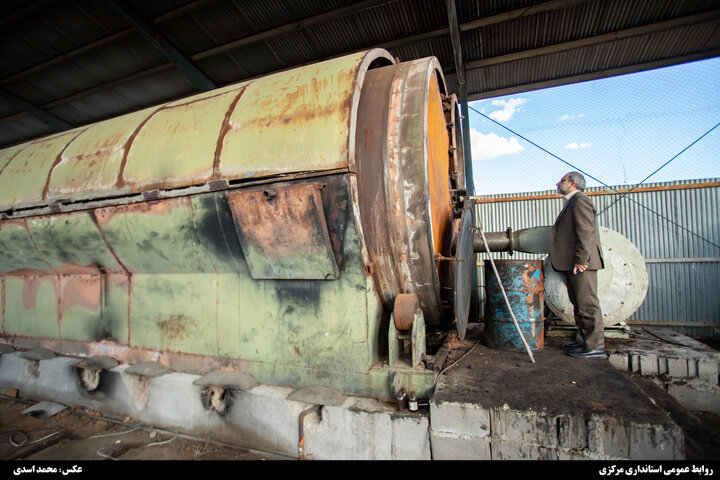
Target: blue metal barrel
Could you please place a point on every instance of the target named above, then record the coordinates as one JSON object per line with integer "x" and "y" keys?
{"x": 523, "y": 282}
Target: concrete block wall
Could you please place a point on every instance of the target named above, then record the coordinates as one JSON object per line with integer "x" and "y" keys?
{"x": 460, "y": 431}
{"x": 366, "y": 429}
{"x": 693, "y": 380}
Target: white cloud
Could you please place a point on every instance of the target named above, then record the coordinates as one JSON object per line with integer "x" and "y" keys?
{"x": 509, "y": 107}
{"x": 576, "y": 146}
{"x": 569, "y": 117}
{"x": 491, "y": 145}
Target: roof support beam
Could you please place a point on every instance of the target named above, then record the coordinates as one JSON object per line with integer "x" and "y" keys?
{"x": 596, "y": 40}
{"x": 666, "y": 62}
{"x": 485, "y": 21}
{"x": 546, "y": 6}
{"x": 292, "y": 27}
{"x": 115, "y": 37}
{"x": 14, "y": 101}
{"x": 462, "y": 90}
{"x": 159, "y": 41}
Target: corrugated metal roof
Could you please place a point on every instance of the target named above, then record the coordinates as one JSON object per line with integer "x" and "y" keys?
{"x": 83, "y": 62}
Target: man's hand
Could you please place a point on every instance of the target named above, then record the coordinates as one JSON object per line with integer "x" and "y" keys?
{"x": 579, "y": 269}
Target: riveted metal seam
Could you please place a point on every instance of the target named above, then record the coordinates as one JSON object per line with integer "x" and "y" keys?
{"x": 224, "y": 129}
{"x": 95, "y": 221}
{"x": 3, "y": 299}
{"x": 128, "y": 273}
{"x": 197, "y": 237}
{"x": 11, "y": 159}
{"x": 222, "y": 230}
{"x": 32, "y": 241}
{"x": 58, "y": 159}
{"x": 59, "y": 295}
{"x": 128, "y": 144}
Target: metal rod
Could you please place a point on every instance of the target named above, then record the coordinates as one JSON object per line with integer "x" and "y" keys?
{"x": 301, "y": 444}
{"x": 507, "y": 302}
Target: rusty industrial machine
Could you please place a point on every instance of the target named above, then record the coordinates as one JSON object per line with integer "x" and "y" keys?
{"x": 302, "y": 227}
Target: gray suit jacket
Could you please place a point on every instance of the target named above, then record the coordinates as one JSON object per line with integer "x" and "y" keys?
{"x": 575, "y": 237}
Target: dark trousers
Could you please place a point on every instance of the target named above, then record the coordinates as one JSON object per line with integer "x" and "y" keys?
{"x": 582, "y": 290}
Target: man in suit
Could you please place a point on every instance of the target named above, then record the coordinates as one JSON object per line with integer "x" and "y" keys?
{"x": 575, "y": 250}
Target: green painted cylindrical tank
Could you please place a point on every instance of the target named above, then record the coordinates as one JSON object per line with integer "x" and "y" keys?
{"x": 266, "y": 226}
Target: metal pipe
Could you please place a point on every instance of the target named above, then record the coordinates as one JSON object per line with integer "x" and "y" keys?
{"x": 528, "y": 240}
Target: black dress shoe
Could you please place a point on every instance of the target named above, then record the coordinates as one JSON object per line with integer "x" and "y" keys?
{"x": 598, "y": 353}
{"x": 573, "y": 346}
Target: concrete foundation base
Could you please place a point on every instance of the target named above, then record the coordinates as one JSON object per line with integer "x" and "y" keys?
{"x": 491, "y": 405}
{"x": 686, "y": 368}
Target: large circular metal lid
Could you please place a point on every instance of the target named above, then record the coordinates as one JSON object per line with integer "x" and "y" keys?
{"x": 464, "y": 263}
{"x": 405, "y": 184}
{"x": 622, "y": 284}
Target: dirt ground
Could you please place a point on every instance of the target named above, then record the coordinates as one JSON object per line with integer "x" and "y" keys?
{"x": 81, "y": 434}
{"x": 558, "y": 383}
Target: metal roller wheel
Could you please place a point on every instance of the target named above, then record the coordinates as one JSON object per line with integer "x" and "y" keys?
{"x": 406, "y": 307}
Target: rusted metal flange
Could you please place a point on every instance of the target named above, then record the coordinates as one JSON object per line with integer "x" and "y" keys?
{"x": 406, "y": 139}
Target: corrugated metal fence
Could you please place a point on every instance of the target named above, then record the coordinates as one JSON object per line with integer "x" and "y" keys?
{"x": 676, "y": 227}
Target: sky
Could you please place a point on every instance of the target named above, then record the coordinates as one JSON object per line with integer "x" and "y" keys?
{"x": 618, "y": 130}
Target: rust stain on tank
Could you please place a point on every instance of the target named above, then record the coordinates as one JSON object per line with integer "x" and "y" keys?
{"x": 31, "y": 285}
{"x": 153, "y": 207}
{"x": 174, "y": 328}
{"x": 226, "y": 127}
{"x": 266, "y": 214}
{"x": 67, "y": 268}
{"x": 120, "y": 183}
{"x": 533, "y": 285}
{"x": 84, "y": 291}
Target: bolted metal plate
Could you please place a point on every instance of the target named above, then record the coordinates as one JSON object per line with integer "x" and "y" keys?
{"x": 234, "y": 380}
{"x": 98, "y": 362}
{"x": 283, "y": 232}
{"x": 622, "y": 284}
{"x": 317, "y": 396}
{"x": 38, "y": 354}
{"x": 464, "y": 255}
{"x": 148, "y": 369}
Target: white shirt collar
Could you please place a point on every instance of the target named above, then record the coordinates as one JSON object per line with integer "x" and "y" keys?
{"x": 569, "y": 195}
